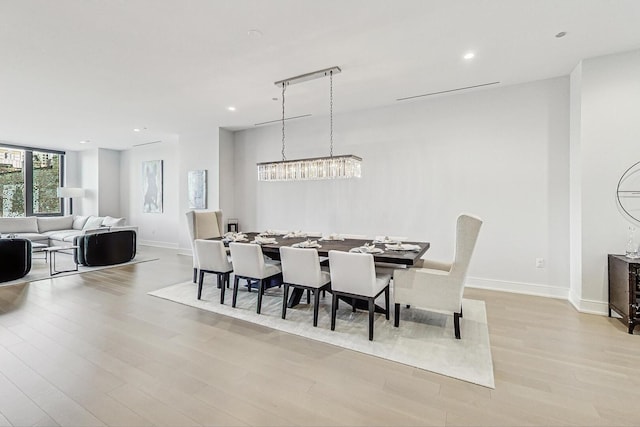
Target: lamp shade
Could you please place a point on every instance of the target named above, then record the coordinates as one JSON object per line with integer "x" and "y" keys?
{"x": 68, "y": 192}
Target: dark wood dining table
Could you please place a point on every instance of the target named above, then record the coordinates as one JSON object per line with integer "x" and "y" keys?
{"x": 401, "y": 258}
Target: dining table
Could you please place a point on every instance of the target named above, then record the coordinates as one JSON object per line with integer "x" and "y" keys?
{"x": 391, "y": 257}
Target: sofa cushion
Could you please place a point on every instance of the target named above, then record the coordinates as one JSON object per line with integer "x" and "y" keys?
{"x": 93, "y": 222}
{"x": 19, "y": 225}
{"x": 112, "y": 222}
{"x": 63, "y": 235}
{"x": 54, "y": 223}
{"x": 79, "y": 222}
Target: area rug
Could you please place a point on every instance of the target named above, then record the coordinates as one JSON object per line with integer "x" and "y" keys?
{"x": 40, "y": 268}
{"x": 424, "y": 339}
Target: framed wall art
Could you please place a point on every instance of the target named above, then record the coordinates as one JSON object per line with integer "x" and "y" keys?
{"x": 152, "y": 186}
{"x": 197, "y": 189}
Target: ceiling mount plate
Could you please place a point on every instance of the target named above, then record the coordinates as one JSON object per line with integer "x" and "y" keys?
{"x": 308, "y": 76}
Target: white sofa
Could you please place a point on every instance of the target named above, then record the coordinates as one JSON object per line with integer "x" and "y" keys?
{"x": 58, "y": 230}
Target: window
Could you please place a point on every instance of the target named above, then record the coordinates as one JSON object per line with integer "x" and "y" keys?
{"x": 29, "y": 180}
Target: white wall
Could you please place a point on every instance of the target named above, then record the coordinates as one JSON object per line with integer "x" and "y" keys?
{"x": 609, "y": 142}
{"x": 153, "y": 228}
{"x": 108, "y": 182}
{"x": 88, "y": 205}
{"x": 502, "y": 154}
{"x": 227, "y": 175}
{"x": 197, "y": 151}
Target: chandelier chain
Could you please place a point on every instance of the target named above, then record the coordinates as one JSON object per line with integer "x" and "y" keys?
{"x": 283, "y": 87}
{"x": 331, "y": 111}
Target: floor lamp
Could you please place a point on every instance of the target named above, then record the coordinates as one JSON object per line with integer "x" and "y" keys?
{"x": 70, "y": 193}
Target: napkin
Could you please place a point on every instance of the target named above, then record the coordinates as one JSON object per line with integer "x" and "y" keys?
{"x": 385, "y": 239}
{"x": 403, "y": 247}
{"x": 269, "y": 233}
{"x": 307, "y": 244}
{"x": 264, "y": 240}
{"x": 234, "y": 237}
{"x": 367, "y": 249}
{"x": 333, "y": 236}
{"x": 295, "y": 234}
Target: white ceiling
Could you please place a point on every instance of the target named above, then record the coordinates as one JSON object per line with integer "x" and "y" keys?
{"x": 72, "y": 70}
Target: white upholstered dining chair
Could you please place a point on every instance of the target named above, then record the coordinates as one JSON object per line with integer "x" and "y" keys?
{"x": 353, "y": 276}
{"x": 301, "y": 269}
{"x": 437, "y": 286}
{"x": 249, "y": 264}
{"x": 202, "y": 225}
{"x": 212, "y": 258}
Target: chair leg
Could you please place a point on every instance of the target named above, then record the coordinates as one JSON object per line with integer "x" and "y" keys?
{"x": 353, "y": 305}
{"x": 219, "y": 277}
{"x": 285, "y": 297}
{"x": 222, "y": 291}
{"x": 260, "y": 292}
{"x": 227, "y": 279}
{"x": 460, "y": 311}
{"x": 324, "y": 293}
{"x": 195, "y": 275}
{"x": 308, "y": 296}
{"x": 456, "y": 324}
{"x": 386, "y": 302}
{"x": 236, "y": 279}
{"x": 372, "y": 309}
{"x": 249, "y": 285}
{"x": 316, "y": 303}
{"x": 396, "y": 317}
{"x": 334, "y": 307}
{"x": 200, "y": 283}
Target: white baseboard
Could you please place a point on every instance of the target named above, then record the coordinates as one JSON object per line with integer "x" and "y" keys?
{"x": 582, "y": 305}
{"x": 156, "y": 244}
{"x": 589, "y": 306}
{"x": 535, "y": 289}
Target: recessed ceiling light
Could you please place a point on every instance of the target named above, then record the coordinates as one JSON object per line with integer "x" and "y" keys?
{"x": 231, "y": 108}
{"x": 84, "y": 141}
{"x": 469, "y": 55}
{"x": 561, "y": 34}
{"x": 254, "y": 33}
{"x": 137, "y": 130}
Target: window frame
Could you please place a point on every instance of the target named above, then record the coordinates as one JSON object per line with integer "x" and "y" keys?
{"x": 28, "y": 176}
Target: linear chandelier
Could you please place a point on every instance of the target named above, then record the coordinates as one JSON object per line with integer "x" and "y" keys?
{"x": 331, "y": 167}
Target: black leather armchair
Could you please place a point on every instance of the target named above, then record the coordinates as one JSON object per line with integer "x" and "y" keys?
{"x": 108, "y": 248}
{"x": 15, "y": 258}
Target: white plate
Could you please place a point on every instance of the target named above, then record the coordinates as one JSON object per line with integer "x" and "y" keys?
{"x": 367, "y": 251}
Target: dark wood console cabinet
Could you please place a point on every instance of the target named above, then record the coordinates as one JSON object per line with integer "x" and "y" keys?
{"x": 624, "y": 289}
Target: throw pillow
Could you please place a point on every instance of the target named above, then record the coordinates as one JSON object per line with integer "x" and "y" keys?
{"x": 79, "y": 222}
{"x": 93, "y": 222}
{"x": 113, "y": 222}
{"x": 53, "y": 223}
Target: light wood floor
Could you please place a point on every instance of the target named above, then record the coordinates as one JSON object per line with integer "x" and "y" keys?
{"x": 94, "y": 349}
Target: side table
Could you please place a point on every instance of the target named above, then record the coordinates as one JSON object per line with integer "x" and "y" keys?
{"x": 53, "y": 250}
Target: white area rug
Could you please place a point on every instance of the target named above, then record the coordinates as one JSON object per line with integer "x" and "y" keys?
{"x": 40, "y": 268}
{"x": 424, "y": 339}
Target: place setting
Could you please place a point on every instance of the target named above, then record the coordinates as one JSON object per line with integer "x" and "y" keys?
{"x": 234, "y": 237}
{"x": 307, "y": 244}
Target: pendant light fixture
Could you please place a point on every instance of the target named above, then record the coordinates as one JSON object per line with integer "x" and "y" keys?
{"x": 331, "y": 167}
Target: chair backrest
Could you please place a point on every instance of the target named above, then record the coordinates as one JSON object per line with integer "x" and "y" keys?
{"x": 212, "y": 256}
{"x": 354, "y": 273}
{"x": 467, "y": 229}
{"x": 300, "y": 266}
{"x": 203, "y": 225}
{"x": 247, "y": 258}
